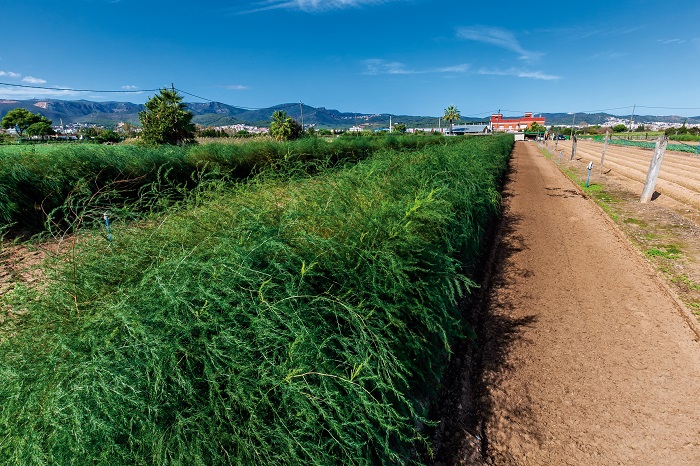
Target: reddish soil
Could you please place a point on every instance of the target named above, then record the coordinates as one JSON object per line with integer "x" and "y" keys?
{"x": 584, "y": 356}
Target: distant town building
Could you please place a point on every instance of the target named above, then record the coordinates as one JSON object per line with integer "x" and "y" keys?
{"x": 498, "y": 123}
{"x": 472, "y": 128}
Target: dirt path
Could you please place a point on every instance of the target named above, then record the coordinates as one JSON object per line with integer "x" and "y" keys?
{"x": 586, "y": 360}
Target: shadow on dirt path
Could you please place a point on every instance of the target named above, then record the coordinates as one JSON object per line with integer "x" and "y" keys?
{"x": 460, "y": 438}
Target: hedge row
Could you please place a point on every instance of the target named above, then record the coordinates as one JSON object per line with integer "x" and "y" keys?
{"x": 38, "y": 182}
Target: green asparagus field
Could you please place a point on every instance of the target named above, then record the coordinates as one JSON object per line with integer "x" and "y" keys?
{"x": 50, "y": 186}
{"x": 301, "y": 317}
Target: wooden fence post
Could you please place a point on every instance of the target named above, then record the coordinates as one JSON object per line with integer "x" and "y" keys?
{"x": 605, "y": 145}
{"x": 654, "y": 168}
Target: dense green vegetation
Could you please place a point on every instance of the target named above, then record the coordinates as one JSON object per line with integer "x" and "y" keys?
{"x": 288, "y": 320}
{"x": 51, "y": 185}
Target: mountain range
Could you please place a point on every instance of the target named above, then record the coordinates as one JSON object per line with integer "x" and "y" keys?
{"x": 108, "y": 114}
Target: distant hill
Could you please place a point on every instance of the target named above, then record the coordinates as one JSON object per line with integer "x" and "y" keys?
{"x": 560, "y": 119}
{"x": 206, "y": 114}
{"x": 218, "y": 114}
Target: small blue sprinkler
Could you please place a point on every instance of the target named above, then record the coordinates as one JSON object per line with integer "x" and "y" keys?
{"x": 109, "y": 232}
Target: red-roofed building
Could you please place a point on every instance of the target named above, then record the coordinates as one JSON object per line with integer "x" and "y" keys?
{"x": 498, "y": 123}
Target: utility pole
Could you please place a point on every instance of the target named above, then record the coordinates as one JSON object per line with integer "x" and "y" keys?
{"x": 572, "y": 126}
{"x": 301, "y": 110}
{"x": 631, "y": 122}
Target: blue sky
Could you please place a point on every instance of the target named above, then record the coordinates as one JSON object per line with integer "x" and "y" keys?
{"x": 368, "y": 56}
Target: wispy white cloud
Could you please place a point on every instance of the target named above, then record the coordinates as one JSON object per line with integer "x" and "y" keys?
{"x": 379, "y": 66}
{"x": 10, "y": 74}
{"x": 520, "y": 73}
{"x": 672, "y": 41}
{"x": 498, "y": 37}
{"x": 236, "y": 87}
{"x": 376, "y": 66}
{"x": 463, "y": 68}
{"x": 33, "y": 80}
{"x": 580, "y": 32}
{"x": 130, "y": 88}
{"x": 311, "y": 6}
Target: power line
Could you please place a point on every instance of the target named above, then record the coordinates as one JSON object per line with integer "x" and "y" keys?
{"x": 131, "y": 91}
{"x": 479, "y": 114}
{"x": 215, "y": 101}
{"x": 112, "y": 91}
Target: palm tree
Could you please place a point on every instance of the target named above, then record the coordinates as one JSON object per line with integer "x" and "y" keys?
{"x": 166, "y": 119}
{"x": 451, "y": 114}
{"x": 277, "y": 127}
{"x": 283, "y": 127}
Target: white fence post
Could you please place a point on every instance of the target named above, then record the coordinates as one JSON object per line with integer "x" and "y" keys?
{"x": 605, "y": 146}
{"x": 654, "y": 168}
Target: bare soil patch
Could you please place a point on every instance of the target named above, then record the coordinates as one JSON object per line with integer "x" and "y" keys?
{"x": 583, "y": 357}
{"x": 17, "y": 265}
{"x": 21, "y": 264}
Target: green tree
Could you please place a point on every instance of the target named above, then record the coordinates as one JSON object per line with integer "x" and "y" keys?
{"x": 536, "y": 128}
{"x": 108, "y": 136}
{"x": 212, "y": 133}
{"x": 619, "y": 128}
{"x": 40, "y": 128}
{"x": 284, "y": 127}
{"x": 243, "y": 134}
{"x": 21, "y": 119}
{"x": 451, "y": 114}
{"x": 400, "y": 128}
{"x": 166, "y": 120}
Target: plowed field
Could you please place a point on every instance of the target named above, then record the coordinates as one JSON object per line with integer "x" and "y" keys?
{"x": 679, "y": 180}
